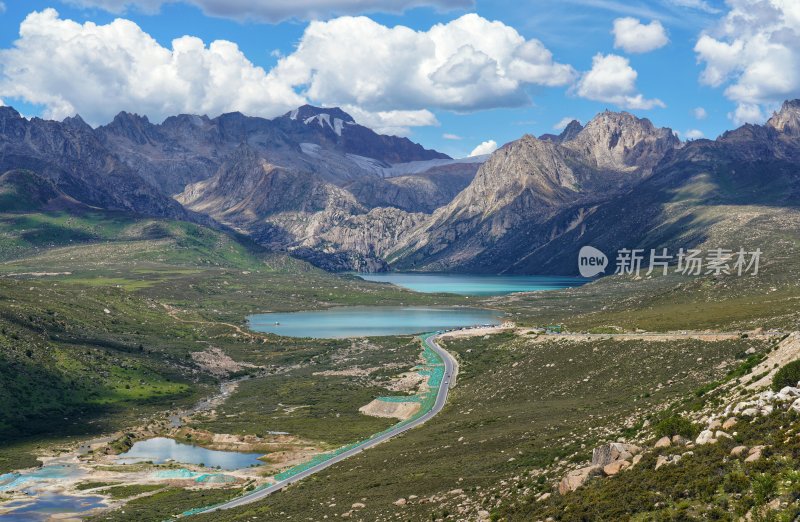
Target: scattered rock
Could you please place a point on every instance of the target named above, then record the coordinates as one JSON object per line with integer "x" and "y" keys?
{"x": 738, "y": 451}
{"x": 636, "y": 459}
{"x": 721, "y": 434}
{"x": 543, "y": 497}
{"x": 663, "y": 442}
{"x": 663, "y": 460}
{"x": 615, "y": 467}
{"x": 358, "y": 505}
{"x": 577, "y": 478}
{"x": 754, "y": 454}
{"x": 400, "y": 502}
{"x": 608, "y": 453}
{"x": 714, "y": 425}
{"x": 705, "y": 437}
{"x": 680, "y": 441}
{"x": 729, "y": 423}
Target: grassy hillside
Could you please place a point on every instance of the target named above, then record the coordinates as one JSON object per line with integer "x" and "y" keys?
{"x": 100, "y": 314}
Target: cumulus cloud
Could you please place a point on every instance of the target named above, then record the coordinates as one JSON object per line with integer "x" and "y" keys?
{"x": 700, "y": 113}
{"x": 754, "y": 52}
{"x": 391, "y": 85}
{"x": 446, "y": 136}
{"x": 563, "y": 122}
{"x": 467, "y": 64}
{"x": 487, "y": 147}
{"x": 277, "y": 10}
{"x": 397, "y": 123}
{"x": 632, "y": 36}
{"x": 747, "y": 113}
{"x": 103, "y": 69}
{"x": 613, "y": 80}
{"x": 694, "y": 134}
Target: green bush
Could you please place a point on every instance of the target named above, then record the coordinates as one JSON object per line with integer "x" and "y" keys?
{"x": 676, "y": 425}
{"x": 787, "y": 376}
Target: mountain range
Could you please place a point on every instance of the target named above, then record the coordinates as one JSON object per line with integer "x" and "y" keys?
{"x": 315, "y": 183}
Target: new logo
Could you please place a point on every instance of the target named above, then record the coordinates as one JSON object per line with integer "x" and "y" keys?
{"x": 591, "y": 261}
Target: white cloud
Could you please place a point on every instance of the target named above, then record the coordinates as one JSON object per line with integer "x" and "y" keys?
{"x": 563, "y": 122}
{"x": 391, "y": 84}
{"x": 747, "y": 113}
{"x": 700, "y": 113}
{"x": 277, "y": 10}
{"x": 632, "y": 36}
{"x": 397, "y": 123}
{"x": 694, "y": 134}
{"x": 467, "y": 64}
{"x": 612, "y": 80}
{"x": 103, "y": 69}
{"x": 2, "y": 7}
{"x": 449, "y": 136}
{"x": 487, "y": 147}
{"x": 755, "y": 53}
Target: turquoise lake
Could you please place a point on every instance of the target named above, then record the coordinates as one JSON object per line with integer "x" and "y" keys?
{"x": 472, "y": 284}
{"x": 366, "y": 321}
{"x": 160, "y": 450}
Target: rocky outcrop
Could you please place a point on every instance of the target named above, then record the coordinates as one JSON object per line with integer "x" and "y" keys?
{"x": 577, "y": 478}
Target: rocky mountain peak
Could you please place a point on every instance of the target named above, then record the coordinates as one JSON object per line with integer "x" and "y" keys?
{"x": 76, "y": 122}
{"x": 621, "y": 141}
{"x": 572, "y": 129}
{"x": 308, "y": 112}
{"x": 9, "y": 113}
{"x": 134, "y": 127}
{"x": 787, "y": 120}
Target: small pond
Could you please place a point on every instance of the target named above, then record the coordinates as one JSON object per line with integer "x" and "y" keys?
{"x": 161, "y": 449}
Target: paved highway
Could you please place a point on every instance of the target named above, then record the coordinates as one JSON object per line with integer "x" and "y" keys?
{"x": 441, "y": 399}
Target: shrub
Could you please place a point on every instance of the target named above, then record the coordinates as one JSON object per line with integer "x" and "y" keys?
{"x": 787, "y": 376}
{"x": 676, "y": 425}
{"x": 764, "y": 488}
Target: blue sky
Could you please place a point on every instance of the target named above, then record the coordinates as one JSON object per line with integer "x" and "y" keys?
{"x": 56, "y": 69}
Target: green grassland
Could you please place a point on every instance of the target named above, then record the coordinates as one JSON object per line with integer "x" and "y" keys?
{"x": 100, "y": 313}
{"x": 519, "y": 406}
{"x": 98, "y": 336}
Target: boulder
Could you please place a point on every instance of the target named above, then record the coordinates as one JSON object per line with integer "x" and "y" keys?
{"x": 663, "y": 442}
{"x": 663, "y": 460}
{"x": 615, "y": 467}
{"x": 721, "y": 434}
{"x": 714, "y": 425}
{"x": 795, "y": 406}
{"x": 680, "y": 441}
{"x": 636, "y": 459}
{"x": 738, "y": 451}
{"x": 754, "y": 454}
{"x": 399, "y": 502}
{"x": 608, "y": 453}
{"x": 358, "y": 505}
{"x": 729, "y": 423}
{"x": 577, "y": 478}
{"x": 705, "y": 437}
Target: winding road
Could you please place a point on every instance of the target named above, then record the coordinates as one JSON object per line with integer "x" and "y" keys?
{"x": 450, "y": 367}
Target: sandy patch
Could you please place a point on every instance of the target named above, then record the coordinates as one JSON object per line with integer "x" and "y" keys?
{"x": 788, "y": 351}
{"x": 394, "y": 410}
{"x": 217, "y": 362}
{"x": 406, "y": 382}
